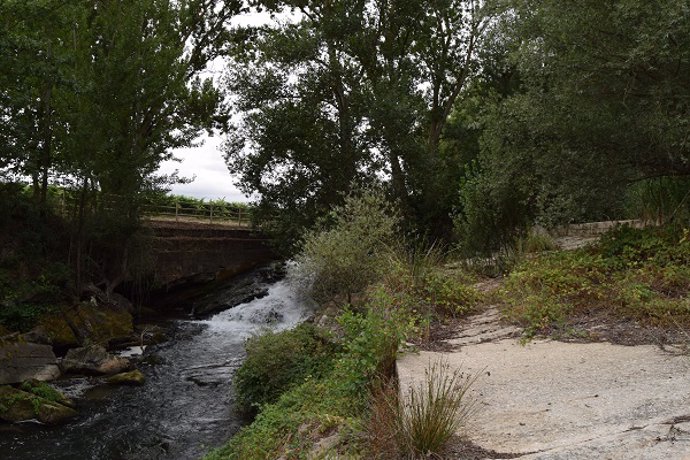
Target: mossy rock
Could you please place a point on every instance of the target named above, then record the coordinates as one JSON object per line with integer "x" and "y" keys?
{"x": 94, "y": 360}
{"x": 46, "y": 391}
{"x": 55, "y": 327}
{"x": 134, "y": 377}
{"x": 20, "y": 406}
{"x": 73, "y": 326}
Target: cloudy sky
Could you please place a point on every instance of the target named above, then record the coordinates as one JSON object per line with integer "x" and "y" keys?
{"x": 206, "y": 164}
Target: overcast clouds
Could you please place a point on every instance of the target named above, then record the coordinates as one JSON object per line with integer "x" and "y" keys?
{"x": 213, "y": 180}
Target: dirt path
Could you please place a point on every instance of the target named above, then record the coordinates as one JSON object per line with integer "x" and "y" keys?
{"x": 555, "y": 400}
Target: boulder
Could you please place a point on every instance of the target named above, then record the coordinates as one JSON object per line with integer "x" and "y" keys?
{"x": 134, "y": 377}
{"x": 151, "y": 334}
{"x": 21, "y": 361}
{"x": 37, "y": 335}
{"x": 94, "y": 360}
{"x": 75, "y": 325}
{"x": 20, "y": 406}
{"x": 121, "y": 302}
{"x": 56, "y": 329}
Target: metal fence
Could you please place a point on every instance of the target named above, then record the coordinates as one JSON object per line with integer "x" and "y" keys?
{"x": 67, "y": 202}
{"x": 206, "y": 213}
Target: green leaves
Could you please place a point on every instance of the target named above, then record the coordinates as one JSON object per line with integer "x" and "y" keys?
{"x": 348, "y": 253}
{"x": 346, "y": 93}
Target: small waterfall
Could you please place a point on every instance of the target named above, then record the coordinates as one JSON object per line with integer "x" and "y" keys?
{"x": 186, "y": 406}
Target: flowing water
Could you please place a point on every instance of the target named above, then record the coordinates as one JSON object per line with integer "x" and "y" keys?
{"x": 186, "y": 406}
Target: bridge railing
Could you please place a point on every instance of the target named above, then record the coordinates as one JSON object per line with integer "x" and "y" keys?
{"x": 67, "y": 202}
{"x": 202, "y": 213}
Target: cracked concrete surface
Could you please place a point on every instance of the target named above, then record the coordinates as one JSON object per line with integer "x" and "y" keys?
{"x": 554, "y": 400}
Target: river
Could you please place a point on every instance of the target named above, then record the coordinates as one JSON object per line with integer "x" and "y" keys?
{"x": 186, "y": 406}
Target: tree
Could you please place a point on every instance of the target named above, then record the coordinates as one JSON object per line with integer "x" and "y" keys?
{"x": 347, "y": 92}
{"x": 100, "y": 92}
{"x": 33, "y": 56}
{"x": 604, "y": 103}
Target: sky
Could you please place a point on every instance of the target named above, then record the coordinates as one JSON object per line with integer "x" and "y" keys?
{"x": 205, "y": 163}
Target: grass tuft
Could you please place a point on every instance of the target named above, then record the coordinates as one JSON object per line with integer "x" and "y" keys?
{"x": 419, "y": 423}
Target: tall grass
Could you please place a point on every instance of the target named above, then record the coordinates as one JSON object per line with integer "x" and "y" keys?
{"x": 419, "y": 422}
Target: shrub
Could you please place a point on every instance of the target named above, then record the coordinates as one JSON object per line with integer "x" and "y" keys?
{"x": 337, "y": 399}
{"x": 277, "y": 361}
{"x": 347, "y": 252}
{"x": 372, "y": 339}
{"x": 449, "y": 293}
{"x": 43, "y": 390}
{"x": 535, "y": 242}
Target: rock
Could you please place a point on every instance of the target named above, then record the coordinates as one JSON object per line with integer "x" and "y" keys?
{"x": 324, "y": 446}
{"x": 121, "y": 302}
{"x": 150, "y": 334}
{"x": 134, "y": 377}
{"x": 75, "y": 325}
{"x": 55, "y": 327}
{"x": 19, "y": 406}
{"x": 37, "y": 335}
{"x": 241, "y": 290}
{"x": 93, "y": 359}
{"x": 46, "y": 391}
{"x": 21, "y": 361}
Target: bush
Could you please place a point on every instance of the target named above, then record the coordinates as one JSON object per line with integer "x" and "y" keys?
{"x": 334, "y": 401}
{"x": 449, "y": 294}
{"x": 347, "y": 254}
{"x": 659, "y": 199}
{"x": 278, "y": 361}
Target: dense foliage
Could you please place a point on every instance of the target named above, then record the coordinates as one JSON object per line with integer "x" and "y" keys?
{"x": 351, "y": 249}
{"x": 277, "y": 362}
{"x": 315, "y": 382}
{"x": 94, "y": 96}
{"x": 340, "y": 93}
{"x": 603, "y": 104}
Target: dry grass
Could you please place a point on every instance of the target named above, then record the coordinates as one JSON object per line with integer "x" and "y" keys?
{"x": 419, "y": 423}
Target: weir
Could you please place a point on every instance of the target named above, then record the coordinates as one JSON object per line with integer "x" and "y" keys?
{"x": 191, "y": 251}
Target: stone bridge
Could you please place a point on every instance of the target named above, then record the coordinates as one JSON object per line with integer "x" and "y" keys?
{"x": 197, "y": 252}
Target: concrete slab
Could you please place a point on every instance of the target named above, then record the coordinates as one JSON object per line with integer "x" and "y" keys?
{"x": 553, "y": 400}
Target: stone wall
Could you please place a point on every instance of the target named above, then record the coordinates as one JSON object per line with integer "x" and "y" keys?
{"x": 187, "y": 251}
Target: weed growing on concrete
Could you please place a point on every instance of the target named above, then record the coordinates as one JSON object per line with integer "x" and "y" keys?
{"x": 418, "y": 422}
{"x": 640, "y": 275}
{"x": 434, "y": 411}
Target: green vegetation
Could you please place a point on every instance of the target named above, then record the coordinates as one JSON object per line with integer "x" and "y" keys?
{"x": 349, "y": 250}
{"x": 335, "y": 402}
{"x": 94, "y": 98}
{"x": 178, "y": 205}
{"x": 636, "y": 274}
{"x": 309, "y": 384}
{"x": 42, "y": 390}
{"x": 277, "y": 362}
{"x": 370, "y": 131}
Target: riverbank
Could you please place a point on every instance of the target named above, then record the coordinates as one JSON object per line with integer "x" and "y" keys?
{"x": 324, "y": 406}
{"x": 337, "y": 413}
{"x": 186, "y": 405}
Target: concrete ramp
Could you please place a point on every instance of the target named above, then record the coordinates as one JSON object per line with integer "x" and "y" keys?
{"x": 554, "y": 400}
